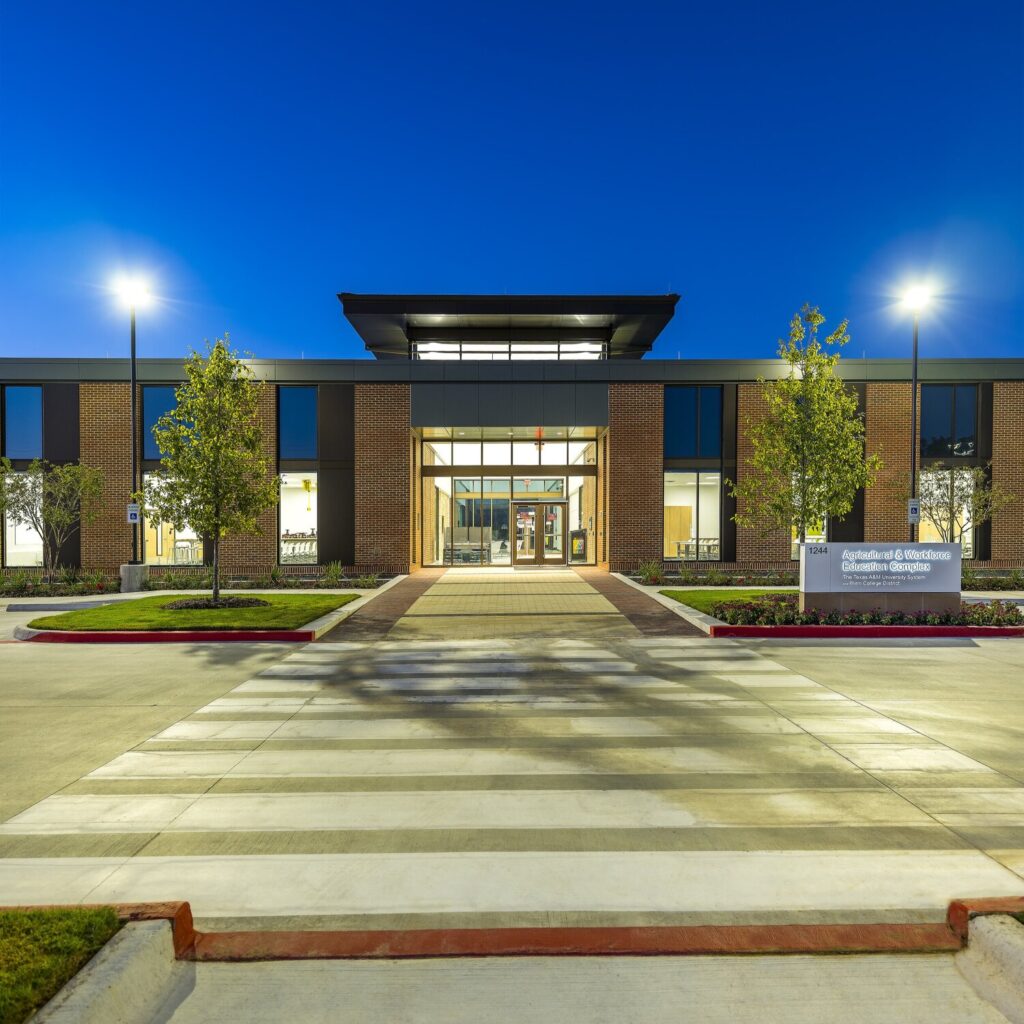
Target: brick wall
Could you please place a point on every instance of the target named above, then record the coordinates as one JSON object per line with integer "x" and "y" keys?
{"x": 887, "y": 428}
{"x": 382, "y": 478}
{"x": 635, "y": 506}
{"x": 1008, "y": 467}
{"x": 104, "y": 418}
{"x": 260, "y": 548}
{"x": 751, "y": 544}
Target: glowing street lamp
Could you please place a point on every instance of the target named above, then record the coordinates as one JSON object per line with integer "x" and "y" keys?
{"x": 133, "y": 292}
{"x": 916, "y": 299}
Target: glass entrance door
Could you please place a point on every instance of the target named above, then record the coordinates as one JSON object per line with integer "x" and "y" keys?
{"x": 540, "y": 533}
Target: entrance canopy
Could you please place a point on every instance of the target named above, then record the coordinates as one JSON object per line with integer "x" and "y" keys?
{"x": 494, "y": 328}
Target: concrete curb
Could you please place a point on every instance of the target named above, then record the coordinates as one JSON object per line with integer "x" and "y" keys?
{"x": 703, "y": 622}
{"x": 126, "y": 982}
{"x": 309, "y": 632}
{"x": 993, "y": 963}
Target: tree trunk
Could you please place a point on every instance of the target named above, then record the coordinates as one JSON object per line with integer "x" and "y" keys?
{"x": 216, "y": 566}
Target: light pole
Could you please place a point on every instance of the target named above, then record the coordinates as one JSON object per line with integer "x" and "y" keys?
{"x": 133, "y": 292}
{"x": 915, "y": 299}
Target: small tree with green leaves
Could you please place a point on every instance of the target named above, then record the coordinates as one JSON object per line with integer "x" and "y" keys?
{"x": 52, "y": 498}
{"x": 808, "y": 449}
{"x": 214, "y": 476}
{"x": 954, "y": 499}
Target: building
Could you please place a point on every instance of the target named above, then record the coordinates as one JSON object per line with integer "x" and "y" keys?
{"x": 508, "y": 430}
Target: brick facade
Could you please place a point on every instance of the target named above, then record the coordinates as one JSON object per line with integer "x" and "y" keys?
{"x": 104, "y": 412}
{"x": 635, "y": 480}
{"x": 260, "y": 548}
{"x": 887, "y": 428}
{"x": 1008, "y": 467}
{"x": 752, "y": 544}
{"x": 383, "y": 473}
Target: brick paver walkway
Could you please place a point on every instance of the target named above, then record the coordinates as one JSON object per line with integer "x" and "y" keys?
{"x": 649, "y": 617}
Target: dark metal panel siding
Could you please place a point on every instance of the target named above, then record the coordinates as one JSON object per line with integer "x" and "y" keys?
{"x": 336, "y": 422}
{"x": 61, "y": 444}
{"x": 336, "y": 516}
{"x": 850, "y": 529}
{"x": 985, "y": 421}
{"x": 495, "y": 405}
{"x": 427, "y": 405}
{"x": 591, "y": 404}
{"x": 559, "y": 405}
{"x": 60, "y": 422}
{"x": 527, "y": 404}
{"x": 728, "y": 471}
{"x": 461, "y": 405}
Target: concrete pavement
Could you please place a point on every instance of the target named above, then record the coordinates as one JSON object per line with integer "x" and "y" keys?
{"x": 491, "y": 783}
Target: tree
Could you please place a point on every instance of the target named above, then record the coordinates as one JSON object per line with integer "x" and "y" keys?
{"x": 214, "y": 476}
{"x": 808, "y": 461}
{"x": 54, "y": 499}
{"x": 955, "y": 499}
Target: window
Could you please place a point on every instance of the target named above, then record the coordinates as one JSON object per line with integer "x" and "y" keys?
{"x": 296, "y": 423}
{"x": 949, "y": 420}
{"x": 163, "y": 545}
{"x": 946, "y": 500}
{"x": 582, "y": 516}
{"x": 23, "y": 422}
{"x": 693, "y": 517}
{"x": 22, "y": 545}
{"x": 156, "y": 402}
{"x": 298, "y": 544}
{"x": 693, "y": 422}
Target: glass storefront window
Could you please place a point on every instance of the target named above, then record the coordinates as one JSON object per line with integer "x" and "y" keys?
{"x": 437, "y": 518}
{"x": 298, "y": 519}
{"x": 582, "y": 453}
{"x": 494, "y": 521}
{"x": 163, "y": 545}
{"x": 582, "y": 495}
{"x": 437, "y": 453}
{"x": 497, "y": 453}
{"x": 23, "y": 423}
{"x": 693, "y": 516}
{"x": 466, "y": 453}
{"x": 296, "y": 423}
{"x": 467, "y": 531}
{"x": 538, "y": 487}
{"x": 156, "y": 402}
{"x": 817, "y": 533}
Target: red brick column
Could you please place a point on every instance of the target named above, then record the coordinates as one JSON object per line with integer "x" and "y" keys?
{"x": 751, "y": 545}
{"x": 104, "y": 423}
{"x": 887, "y": 428}
{"x": 1008, "y": 466}
{"x": 636, "y": 488}
{"x": 383, "y": 471}
{"x": 258, "y": 550}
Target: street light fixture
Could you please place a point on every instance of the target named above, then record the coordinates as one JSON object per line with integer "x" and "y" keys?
{"x": 133, "y": 292}
{"x": 916, "y": 299}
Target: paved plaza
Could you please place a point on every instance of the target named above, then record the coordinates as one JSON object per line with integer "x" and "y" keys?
{"x": 621, "y": 778}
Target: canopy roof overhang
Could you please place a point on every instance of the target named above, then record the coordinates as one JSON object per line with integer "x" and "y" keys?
{"x": 392, "y": 326}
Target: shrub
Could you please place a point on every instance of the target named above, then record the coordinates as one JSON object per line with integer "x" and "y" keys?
{"x": 366, "y": 582}
{"x": 332, "y": 574}
{"x": 650, "y": 572}
{"x": 783, "y": 610}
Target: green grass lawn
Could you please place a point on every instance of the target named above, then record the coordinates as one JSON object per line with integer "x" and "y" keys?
{"x": 285, "y": 611}
{"x": 41, "y": 949}
{"x": 705, "y": 600}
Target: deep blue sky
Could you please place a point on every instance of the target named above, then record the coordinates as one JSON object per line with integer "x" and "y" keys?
{"x": 256, "y": 159}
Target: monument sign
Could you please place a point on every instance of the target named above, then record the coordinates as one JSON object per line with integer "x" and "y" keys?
{"x": 893, "y": 577}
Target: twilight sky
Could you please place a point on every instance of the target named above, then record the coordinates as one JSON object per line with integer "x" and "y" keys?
{"x": 255, "y": 159}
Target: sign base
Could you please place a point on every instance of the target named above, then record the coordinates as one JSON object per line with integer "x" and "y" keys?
{"x": 846, "y": 601}
{"x": 133, "y": 577}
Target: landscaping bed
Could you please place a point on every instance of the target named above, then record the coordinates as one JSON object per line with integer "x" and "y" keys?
{"x": 278, "y": 612}
{"x": 706, "y": 600}
{"x": 40, "y": 950}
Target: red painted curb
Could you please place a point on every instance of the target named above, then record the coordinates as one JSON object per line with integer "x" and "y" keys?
{"x": 168, "y": 636}
{"x": 868, "y": 632}
{"x": 961, "y": 911}
{"x": 693, "y": 940}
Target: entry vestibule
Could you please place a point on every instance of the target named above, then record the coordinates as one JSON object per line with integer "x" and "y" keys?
{"x": 540, "y": 533}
